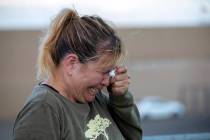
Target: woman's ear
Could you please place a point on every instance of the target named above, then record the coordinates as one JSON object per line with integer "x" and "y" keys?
{"x": 70, "y": 62}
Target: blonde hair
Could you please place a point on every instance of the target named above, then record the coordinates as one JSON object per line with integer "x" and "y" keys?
{"x": 88, "y": 37}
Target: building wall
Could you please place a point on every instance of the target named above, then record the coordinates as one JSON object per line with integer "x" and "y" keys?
{"x": 169, "y": 62}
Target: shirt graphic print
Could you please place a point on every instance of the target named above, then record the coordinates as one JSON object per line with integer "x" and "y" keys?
{"x": 97, "y": 127}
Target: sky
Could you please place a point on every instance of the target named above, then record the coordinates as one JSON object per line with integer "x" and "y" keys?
{"x": 20, "y": 14}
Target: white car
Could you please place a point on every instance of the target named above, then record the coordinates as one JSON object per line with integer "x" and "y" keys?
{"x": 156, "y": 108}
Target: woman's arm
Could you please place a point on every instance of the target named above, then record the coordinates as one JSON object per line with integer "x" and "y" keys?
{"x": 126, "y": 115}
{"x": 121, "y": 105}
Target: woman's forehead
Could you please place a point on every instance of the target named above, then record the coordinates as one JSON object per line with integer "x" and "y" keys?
{"x": 106, "y": 61}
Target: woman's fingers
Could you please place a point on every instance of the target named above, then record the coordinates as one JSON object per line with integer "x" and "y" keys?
{"x": 121, "y": 81}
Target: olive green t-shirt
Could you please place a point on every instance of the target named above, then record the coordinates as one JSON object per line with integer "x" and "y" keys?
{"x": 47, "y": 115}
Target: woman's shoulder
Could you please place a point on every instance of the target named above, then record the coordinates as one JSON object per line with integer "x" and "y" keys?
{"x": 43, "y": 95}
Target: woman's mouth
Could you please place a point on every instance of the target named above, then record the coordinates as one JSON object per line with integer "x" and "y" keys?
{"x": 93, "y": 91}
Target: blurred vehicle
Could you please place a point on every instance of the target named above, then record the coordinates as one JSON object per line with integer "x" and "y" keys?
{"x": 156, "y": 108}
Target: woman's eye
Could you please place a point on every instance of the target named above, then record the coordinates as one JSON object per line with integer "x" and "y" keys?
{"x": 105, "y": 73}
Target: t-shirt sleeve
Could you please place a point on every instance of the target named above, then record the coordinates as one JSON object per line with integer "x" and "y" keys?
{"x": 126, "y": 115}
{"x": 36, "y": 121}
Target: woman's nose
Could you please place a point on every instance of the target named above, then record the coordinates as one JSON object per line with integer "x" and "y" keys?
{"x": 105, "y": 81}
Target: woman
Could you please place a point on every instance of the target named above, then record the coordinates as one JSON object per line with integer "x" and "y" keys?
{"x": 73, "y": 64}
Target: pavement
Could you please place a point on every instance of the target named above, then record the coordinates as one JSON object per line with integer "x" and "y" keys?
{"x": 185, "y": 125}
{"x": 193, "y": 136}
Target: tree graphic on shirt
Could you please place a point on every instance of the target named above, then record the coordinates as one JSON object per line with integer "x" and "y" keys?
{"x": 97, "y": 127}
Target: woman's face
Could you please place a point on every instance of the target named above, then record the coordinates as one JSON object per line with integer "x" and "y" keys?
{"x": 90, "y": 78}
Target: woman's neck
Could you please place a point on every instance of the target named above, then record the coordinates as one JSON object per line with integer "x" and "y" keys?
{"x": 57, "y": 84}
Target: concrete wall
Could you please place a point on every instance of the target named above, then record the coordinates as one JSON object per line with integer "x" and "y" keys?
{"x": 169, "y": 62}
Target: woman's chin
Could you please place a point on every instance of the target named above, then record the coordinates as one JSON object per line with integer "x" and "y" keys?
{"x": 90, "y": 98}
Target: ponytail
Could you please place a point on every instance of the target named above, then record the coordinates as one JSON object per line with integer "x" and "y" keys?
{"x": 45, "y": 64}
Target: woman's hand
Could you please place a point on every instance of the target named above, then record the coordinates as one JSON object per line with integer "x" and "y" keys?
{"x": 120, "y": 82}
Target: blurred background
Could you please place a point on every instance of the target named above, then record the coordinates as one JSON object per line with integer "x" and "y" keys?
{"x": 168, "y": 44}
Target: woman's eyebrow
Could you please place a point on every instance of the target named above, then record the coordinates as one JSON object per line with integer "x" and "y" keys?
{"x": 109, "y": 69}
